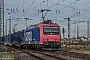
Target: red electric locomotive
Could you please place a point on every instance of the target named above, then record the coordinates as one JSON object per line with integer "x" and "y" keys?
{"x": 50, "y": 36}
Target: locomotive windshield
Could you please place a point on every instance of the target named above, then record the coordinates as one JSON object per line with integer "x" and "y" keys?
{"x": 51, "y": 29}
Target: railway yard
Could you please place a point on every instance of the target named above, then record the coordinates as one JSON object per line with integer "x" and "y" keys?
{"x": 59, "y": 30}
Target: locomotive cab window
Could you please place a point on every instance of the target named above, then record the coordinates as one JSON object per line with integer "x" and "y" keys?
{"x": 51, "y": 30}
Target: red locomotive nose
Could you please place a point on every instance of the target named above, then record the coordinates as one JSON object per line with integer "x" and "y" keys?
{"x": 50, "y": 35}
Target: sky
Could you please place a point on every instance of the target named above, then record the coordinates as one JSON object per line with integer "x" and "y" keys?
{"x": 77, "y": 10}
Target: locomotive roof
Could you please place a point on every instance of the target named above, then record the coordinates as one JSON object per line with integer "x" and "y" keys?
{"x": 45, "y": 22}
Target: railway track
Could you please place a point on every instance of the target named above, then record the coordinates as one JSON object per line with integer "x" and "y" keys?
{"x": 70, "y": 55}
{"x": 37, "y": 55}
{"x": 58, "y": 55}
{"x": 42, "y": 56}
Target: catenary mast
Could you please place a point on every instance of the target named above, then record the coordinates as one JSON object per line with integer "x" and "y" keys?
{"x": 1, "y": 18}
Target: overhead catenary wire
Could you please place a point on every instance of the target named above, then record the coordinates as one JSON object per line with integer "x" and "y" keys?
{"x": 19, "y": 3}
{"x": 15, "y": 3}
{"x": 58, "y": 9}
{"x": 55, "y": 4}
{"x": 66, "y": 6}
{"x": 29, "y": 6}
{"x": 58, "y": 0}
{"x": 82, "y": 11}
{"x": 48, "y": 8}
{"x": 14, "y": 9}
{"x": 38, "y": 11}
{"x": 62, "y": 8}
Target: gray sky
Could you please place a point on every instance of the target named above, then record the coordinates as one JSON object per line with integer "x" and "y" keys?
{"x": 77, "y": 10}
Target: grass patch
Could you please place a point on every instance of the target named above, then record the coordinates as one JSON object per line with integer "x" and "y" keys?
{"x": 81, "y": 47}
{"x": 7, "y": 55}
{"x": 2, "y": 50}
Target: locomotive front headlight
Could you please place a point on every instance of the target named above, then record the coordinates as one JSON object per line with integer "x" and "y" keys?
{"x": 57, "y": 39}
{"x": 45, "y": 39}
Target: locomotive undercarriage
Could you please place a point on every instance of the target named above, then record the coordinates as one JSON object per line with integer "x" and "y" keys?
{"x": 51, "y": 46}
{"x": 45, "y": 46}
